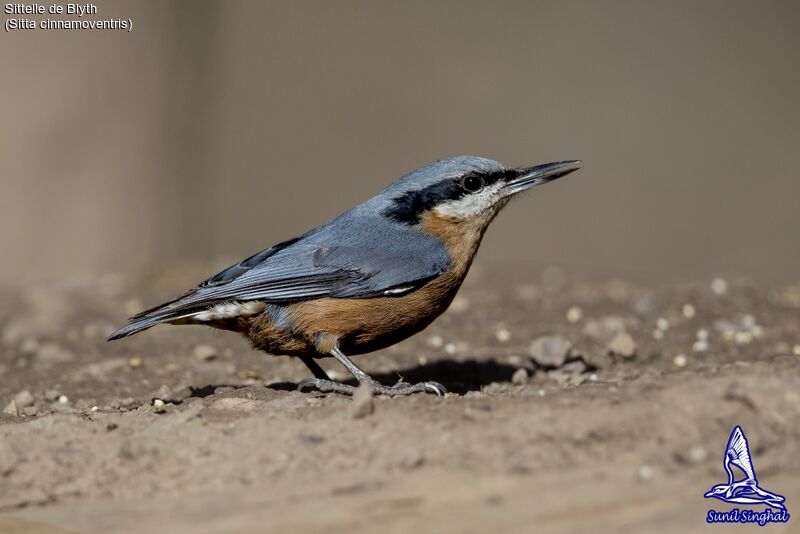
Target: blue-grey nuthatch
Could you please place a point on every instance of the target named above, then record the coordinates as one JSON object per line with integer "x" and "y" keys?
{"x": 369, "y": 278}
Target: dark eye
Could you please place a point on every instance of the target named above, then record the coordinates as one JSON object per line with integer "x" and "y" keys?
{"x": 473, "y": 183}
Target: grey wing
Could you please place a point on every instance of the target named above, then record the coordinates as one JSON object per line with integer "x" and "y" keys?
{"x": 300, "y": 270}
{"x": 310, "y": 271}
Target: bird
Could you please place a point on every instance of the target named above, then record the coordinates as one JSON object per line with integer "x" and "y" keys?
{"x": 746, "y": 490}
{"x": 365, "y": 280}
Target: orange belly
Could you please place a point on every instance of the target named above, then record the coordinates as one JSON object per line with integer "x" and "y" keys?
{"x": 359, "y": 325}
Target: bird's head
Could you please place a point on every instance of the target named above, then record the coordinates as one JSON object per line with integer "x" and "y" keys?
{"x": 464, "y": 189}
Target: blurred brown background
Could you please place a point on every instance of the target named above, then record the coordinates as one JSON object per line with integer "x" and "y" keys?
{"x": 216, "y": 129}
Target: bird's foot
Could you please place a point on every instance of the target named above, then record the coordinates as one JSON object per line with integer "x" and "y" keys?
{"x": 401, "y": 388}
{"x": 404, "y": 388}
{"x": 325, "y": 386}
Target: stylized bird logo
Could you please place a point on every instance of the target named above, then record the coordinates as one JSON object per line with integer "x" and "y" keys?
{"x": 746, "y": 490}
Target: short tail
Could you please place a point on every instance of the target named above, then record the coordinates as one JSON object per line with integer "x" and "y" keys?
{"x": 163, "y": 313}
{"x": 183, "y": 311}
{"x": 135, "y": 326}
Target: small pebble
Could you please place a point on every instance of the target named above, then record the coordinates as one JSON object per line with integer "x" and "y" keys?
{"x": 95, "y": 408}
{"x": 748, "y": 321}
{"x": 701, "y": 345}
{"x": 688, "y": 311}
{"x": 11, "y": 408}
{"x": 658, "y": 334}
{"x": 757, "y": 330}
{"x": 503, "y": 335}
{"x": 680, "y": 360}
{"x": 645, "y": 472}
{"x": 422, "y": 360}
{"x": 159, "y": 406}
{"x": 697, "y": 455}
{"x": 574, "y": 314}
{"x": 702, "y": 334}
{"x": 520, "y": 376}
{"x": 29, "y": 346}
{"x": 450, "y": 348}
{"x": 550, "y": 351}
{"x": 62, "y": 399}
{"x": 796, "y": 350}
{"x": 23, "y": 399}
{"x": 622, "y": 345}
{"x": 435, "y": 341}
{"x": 719, "y": 286}
{"x": 662, "y": 324}
{"x": 742, "y": 337}
{"x": 135, "y": 362}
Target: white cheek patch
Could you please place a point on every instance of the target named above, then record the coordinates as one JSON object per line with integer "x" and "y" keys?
{"x": 230, "y": 310}
{"x": 472, "y": 204}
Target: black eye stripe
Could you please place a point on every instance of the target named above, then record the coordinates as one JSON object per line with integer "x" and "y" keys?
{"x": 409, "y": 207}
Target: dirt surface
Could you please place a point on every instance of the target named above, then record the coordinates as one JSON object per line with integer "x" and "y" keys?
{"x": 618, "y": 423}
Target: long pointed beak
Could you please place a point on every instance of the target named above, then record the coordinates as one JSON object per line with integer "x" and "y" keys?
{"x": 528, "y": 177}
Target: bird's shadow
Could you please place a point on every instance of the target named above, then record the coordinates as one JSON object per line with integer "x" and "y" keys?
{"x": 457, "y": 376}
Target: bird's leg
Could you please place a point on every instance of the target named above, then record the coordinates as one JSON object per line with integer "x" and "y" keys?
{"x": 401, "y": 388}
{"x": 314, "y": 367}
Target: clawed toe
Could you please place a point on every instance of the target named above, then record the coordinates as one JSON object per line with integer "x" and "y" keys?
{"x": 436, "y": 388}
{"x": 325, "y": 386}
{"x": 401, "y": 388}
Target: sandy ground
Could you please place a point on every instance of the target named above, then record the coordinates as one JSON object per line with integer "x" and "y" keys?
{"x": 618, "y": 423}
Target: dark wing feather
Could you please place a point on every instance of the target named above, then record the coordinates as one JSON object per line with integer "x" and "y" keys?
{"x": 245, "y": 265}
{"x": 224, "y": 276}
{"x": 300, "y": 271}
